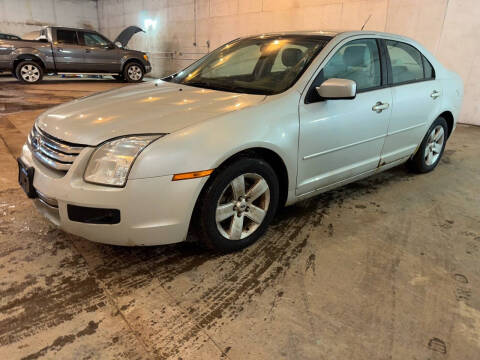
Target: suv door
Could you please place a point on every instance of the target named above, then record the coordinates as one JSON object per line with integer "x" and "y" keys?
{"x": 416, "y": 96}
{"x": 67, "y": 52}
{"x": 100, "y": 54}
{"x": 343, "y": 139}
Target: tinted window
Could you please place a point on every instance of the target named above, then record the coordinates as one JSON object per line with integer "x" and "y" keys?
{"x": 66, "y": 37}
{"x": 93, "y": 39}
{"x": 429, "y": 72}
{"x": 357, "y": 60}
{"x": 407, "y": 63}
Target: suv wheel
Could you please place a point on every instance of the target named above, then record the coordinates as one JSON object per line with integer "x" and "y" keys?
{"x": 133, "y": 72}
{"x": 29, "y": 72}
{"x": 237, "y": 206}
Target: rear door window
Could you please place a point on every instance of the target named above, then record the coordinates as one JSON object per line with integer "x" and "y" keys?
{"x": 428, "y": 69}
{"x": 406, "y": 62}
{"x": 67, "y": 37}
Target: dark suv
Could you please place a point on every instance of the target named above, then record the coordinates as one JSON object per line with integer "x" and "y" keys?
{"x": 60, "y": 50}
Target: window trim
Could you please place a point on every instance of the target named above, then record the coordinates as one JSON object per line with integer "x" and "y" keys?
{"x": 390, "y": 70}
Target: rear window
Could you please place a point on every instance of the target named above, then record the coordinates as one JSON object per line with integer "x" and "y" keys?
{"x": 67, "y": 37}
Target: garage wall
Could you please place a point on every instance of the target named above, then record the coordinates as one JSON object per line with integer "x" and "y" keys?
{"x": 180, "y": 31}
{"x": 23, "y": 16}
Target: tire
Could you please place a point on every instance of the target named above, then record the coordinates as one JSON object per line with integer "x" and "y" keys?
{"x": 431, "y": 149}
{"x": 233, "y": 208}
{"x": 118, "y": 77}
{"x": 29, "y": 72}
{"x": 133, "y": 72}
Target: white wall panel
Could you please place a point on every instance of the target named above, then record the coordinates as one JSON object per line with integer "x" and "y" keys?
{"x": 23, "y": 16}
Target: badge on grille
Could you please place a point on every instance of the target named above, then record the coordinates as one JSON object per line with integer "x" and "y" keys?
{"x": 36, "y": 143}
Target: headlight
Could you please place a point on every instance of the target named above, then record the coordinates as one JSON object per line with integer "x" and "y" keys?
{"x": 145, "y": 56}
{"x": 111, "y": 162}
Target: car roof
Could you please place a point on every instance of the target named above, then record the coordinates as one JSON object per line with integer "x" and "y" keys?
{"x": 70, "y": 28}
{"x": 339, "y": 33}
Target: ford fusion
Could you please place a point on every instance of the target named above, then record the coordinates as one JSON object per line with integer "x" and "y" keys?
{"x": 217, "y": 148}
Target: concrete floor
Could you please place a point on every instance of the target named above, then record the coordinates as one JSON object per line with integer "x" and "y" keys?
{"x": 386, "y": 268}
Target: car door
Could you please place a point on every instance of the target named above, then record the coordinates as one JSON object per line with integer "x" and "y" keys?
{"x": 68, "y": 54}
{"x": 342, "y": 139}
{"x": 416, "y": 96}
{"x": 100, "y": 54}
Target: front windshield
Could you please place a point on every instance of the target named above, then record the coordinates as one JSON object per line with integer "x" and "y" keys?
{"x": 261, "y": 65}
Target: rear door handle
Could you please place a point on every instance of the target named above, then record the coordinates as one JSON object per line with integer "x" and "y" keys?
{"x": 379, "y": 107}
{"x": 435, "y": 94}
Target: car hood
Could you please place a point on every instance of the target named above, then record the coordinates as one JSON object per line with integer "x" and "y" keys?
{"x": 125, "y": 36}
{"x": 154, "y": 107}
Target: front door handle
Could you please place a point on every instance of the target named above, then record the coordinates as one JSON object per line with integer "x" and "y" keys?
{"x": 435, "y": 94}
{"x": 379, "y": 107}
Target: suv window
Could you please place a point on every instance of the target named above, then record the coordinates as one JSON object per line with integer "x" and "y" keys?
{"x": 66, "y": 37}
{"x": 92, "y": 39}
{"x": 406, "y": 61}
{"x": 357, "y": 60}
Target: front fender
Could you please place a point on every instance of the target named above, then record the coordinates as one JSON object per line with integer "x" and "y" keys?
{"x": 272, "y": 125}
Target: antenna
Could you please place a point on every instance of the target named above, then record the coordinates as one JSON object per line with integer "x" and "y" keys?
{"x": 366, "y": 21}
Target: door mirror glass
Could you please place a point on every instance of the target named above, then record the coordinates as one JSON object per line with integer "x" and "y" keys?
{"x": 337, "y": 89}
{"x": 118, "y": 44}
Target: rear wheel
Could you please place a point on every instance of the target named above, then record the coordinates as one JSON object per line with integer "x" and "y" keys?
{"x": 237, "y": 206}
{"x": 133, "y": 72}
{"x": 29, "y": 72}
{"x": 431, "y": 149}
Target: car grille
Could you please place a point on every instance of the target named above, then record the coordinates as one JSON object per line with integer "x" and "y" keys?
{"x": 52, "y": 152}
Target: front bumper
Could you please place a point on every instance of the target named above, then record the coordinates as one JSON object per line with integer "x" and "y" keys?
{"x": 148, "y": 68}
{"x": 153, "y": 211}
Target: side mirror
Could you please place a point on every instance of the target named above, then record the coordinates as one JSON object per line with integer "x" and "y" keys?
{"x": 118, "y": 44}
{"x": 332, "y": 89}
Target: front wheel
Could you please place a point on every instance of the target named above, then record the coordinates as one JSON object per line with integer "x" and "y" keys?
{"x": 29, "y": 72}
{"x": 431, "y": 149}
{"x": 133, "y": 72}
{"x": 237, "y": 206}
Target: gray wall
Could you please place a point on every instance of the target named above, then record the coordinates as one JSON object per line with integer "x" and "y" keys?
{"x": 448, "y": 28}
{"x": 23, "y": 16}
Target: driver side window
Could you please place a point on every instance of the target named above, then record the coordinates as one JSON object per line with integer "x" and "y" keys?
{"x": 92, "y": 39}
{"x": 357, "y": 60}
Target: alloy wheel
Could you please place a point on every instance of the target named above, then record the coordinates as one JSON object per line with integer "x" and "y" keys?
{"x": 242, "y": 206}
{"x": 30, "y": 73}
{"x": 434, "y": 145}
{"x": 134, "y": 72}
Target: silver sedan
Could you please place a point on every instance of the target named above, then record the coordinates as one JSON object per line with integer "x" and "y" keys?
{"x": 217, "y": 148}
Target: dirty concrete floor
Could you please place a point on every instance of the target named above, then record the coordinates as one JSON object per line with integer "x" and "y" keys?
{"x": 386, "y": 268}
